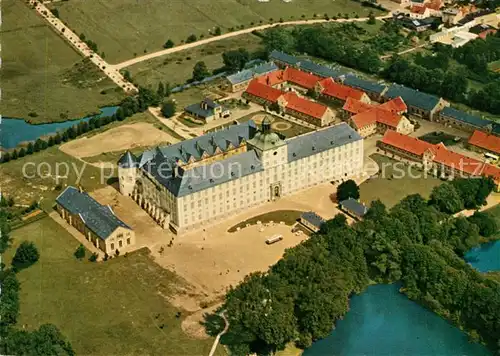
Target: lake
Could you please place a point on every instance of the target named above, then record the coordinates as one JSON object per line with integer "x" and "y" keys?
{"x": 382, "y": 321}
{"x": 486, "y": 258}
{"x": 15, "y": 131}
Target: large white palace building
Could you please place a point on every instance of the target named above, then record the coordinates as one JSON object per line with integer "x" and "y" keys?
{"x": 196, "y": 182}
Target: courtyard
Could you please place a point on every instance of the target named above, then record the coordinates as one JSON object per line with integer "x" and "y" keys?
{"x": 282, "y": 126}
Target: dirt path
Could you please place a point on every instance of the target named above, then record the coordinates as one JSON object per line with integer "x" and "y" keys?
{"x": 404, "y": 52}
{"x": 163, "y": 52}
{"x": 492, "y": 200}
{"x": 82, "y": 47}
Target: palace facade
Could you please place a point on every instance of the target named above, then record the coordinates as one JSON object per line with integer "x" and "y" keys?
{"x": 197, "y": 182}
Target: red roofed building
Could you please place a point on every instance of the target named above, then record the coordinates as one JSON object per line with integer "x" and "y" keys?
{"x": 485, "y": 142}
{"x": 353, "y": 107}
{"x": 289, "y": 103}
{"x": 379, "y": 120}
{"x": 437, "y": 157}
{"x": 369, "y": 119}
{"x": 396, "y": 105}
{"x": 261, "y": 93}
{"x": 289, "y": 76}
{"x": 332, "y": 90}
{"x": 307, "y": 110}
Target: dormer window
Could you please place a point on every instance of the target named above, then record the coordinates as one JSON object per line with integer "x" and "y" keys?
{"x": 211, "y": 180}
{"x": 313, "y": 148}
{"x": 190, "y": 187}
{"x": 294, "y": 154}
{"x": 232, "y": 174}
{"x": 252, "y": 167}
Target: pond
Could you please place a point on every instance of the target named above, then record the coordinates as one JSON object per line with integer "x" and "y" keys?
{"x": 383, "y": 321}
{"x": 15, "y": 131}
{"x": 486, "y": 258}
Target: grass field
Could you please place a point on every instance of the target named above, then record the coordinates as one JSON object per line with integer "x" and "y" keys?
{"x": 116, "y": 307}
{"x": 177, "y": 68}
{"x": 124, "y": 28}
{"x": 290, "y": 217}
{"x": 42, "y": 74}
{"x": 389, "y": 188}
{"x": 32, "y": 177}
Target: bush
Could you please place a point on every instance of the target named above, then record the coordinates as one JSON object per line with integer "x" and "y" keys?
{"x": 168, "y": 44}
{"x": 347, "y": 189}
{"x": 168, "y": 108}
{"x": 26, "y": 255}
{"x": 93, "y": 257}
{"x": 80, "y": 252}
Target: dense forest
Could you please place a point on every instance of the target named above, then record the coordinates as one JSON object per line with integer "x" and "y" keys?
{"x": 443, "y": 73}
{"x": 47, "y": 339}
{"x": 417, "y": 243}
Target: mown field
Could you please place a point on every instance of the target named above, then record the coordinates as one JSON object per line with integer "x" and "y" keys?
{"x": 125, "y": 28}
{"x": 177, "y": 68}
{"x": 42, "y": 74}
{"x": 396, "y": 181}
{"x": 118, "y": 307}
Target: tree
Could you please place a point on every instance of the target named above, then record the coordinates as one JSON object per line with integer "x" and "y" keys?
{"x": 22, "y": 152}
{"x": 168, "y": 108}
{"x": 217, "y": 31}
{"x": 235, "y": 60}
{"x": 80, "y": 252}
{"x": 93, "y": 257}
{"x": 347, "y": 189}
{"x": 6, "y": 157}
{"x": 168, "y": 90}
{"x": 371, "y": 18}
{"x": 127, "y": 76}
{"x": 161, "y": 90}
{"x": 279, "y": 39}
{"x": 47, "y": 340}
{"x": 191, "y": 38}
{"x": 26, "y": 255}
{"x": 168, "y": 44}
{"x": 200, "y": 71}
{"x": 30, "y": 148}
{"x": 485, "y": 222}
{"x": 446, "y": 198}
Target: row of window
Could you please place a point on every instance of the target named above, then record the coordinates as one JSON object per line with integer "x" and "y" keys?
{"x": 120, "y": 244}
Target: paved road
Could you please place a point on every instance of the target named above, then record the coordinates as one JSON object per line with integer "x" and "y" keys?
{"x": 229, "y": 35}
{"x": 216, "y": 342}
{"x": 82, "y": 47}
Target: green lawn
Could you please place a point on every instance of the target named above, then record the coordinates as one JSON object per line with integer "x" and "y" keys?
{"x": 395, "y": 183}
{"x": 177, "y": 68}
{"x": 118, "y": 307}
{"x": 124, "y": 28}
{"x": 42, "y": 74}
{"x": 41, "y": 172}
{"x": 288, "y": 216}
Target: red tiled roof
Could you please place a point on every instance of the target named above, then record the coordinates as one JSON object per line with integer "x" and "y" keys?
{"x": 406, "y": 143}
{"x": 442, "y": 155}
{"x": 355, "y": 106}
{"x": 263, "y": 91}
{"x": 308, "y": 107}
{"x": 339, "y": 91}
{"x": 483, "y": 140}
{"x": 487, "y": 32}
{"x": 418, "y": 9}
{"x": 396, "y": 105}
{"x": 272, "y": 78}
{"x": 376, "y": 115}
{"x": 301, "y": 78}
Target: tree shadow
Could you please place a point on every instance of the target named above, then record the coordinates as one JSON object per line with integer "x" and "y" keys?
{"x": 213, "y": 323}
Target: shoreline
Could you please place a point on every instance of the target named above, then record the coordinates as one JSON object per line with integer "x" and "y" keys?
{"x": 88, "y": 115}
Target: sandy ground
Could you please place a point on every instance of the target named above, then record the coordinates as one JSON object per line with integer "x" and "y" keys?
{"x": 118, "y": 139}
